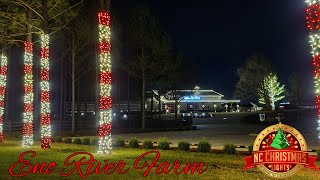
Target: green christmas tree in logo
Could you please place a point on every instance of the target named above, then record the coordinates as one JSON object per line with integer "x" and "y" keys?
{"x": 280, "y": 140}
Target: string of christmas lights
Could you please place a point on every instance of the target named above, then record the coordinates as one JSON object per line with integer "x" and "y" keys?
{"x": 313, "y": 24}
{"x": 45, "y": 93}
{"x": 3, "y": 85}
{"x": 27, "y": 139}
{"x": 105, "y": 119}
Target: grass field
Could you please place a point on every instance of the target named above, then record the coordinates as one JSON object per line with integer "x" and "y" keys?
{"x": 219, "y": 166}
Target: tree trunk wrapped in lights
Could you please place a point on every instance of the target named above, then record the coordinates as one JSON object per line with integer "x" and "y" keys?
{"x": 3, "y": 86}
{"x": 313, "y": 25}
{"x": 27, "y": 139}
{"x": 105, "y": 117}
{"x": 45, "y": 93}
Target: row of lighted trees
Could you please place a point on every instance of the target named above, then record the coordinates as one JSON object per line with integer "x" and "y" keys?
{"x": 104, "y": 64}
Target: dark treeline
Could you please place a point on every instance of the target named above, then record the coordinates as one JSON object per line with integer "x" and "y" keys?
{"x": 73, "y": 57}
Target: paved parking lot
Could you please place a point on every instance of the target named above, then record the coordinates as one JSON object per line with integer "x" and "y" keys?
{"x": 227, "y": 128}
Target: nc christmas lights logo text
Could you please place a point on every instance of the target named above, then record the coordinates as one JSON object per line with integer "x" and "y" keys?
{"x": 280, "y": 151}
{"x": 84, "y": 164}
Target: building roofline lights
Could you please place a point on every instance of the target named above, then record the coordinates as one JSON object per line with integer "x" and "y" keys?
{"x": 195, "y": 90}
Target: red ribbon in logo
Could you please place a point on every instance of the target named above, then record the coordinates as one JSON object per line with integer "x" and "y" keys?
{"x": 280, "y": 157}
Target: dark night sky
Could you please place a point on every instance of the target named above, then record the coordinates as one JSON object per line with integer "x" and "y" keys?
{"x": 219, "y": 35}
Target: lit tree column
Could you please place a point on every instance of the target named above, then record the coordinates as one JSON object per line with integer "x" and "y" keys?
{"x": 105, "y": 117}
{"x": 3, "y": 85}
{"x": 271, "y": 91}
{"x": 313, "y": 24}
{"x": 27, "y": 139}
{"x": 45, "y": 121}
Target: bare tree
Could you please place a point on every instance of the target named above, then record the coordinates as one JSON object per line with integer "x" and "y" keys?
{"x": 148, "y": 49}
{"x": 294, "y": 93}
{"x": 251, "y": 76}
{"x": 81, "y": 49}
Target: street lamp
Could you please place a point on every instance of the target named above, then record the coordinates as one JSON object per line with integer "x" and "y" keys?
{"x": 226, "y": 106}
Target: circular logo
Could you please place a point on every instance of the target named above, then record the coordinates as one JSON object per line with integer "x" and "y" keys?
{"x": 280, "y": 151}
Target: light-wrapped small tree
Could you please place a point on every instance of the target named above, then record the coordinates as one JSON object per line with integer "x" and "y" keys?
{"x": 271, "y": 91}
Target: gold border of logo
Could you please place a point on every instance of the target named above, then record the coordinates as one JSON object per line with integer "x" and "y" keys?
{"x": 275, "y": 128}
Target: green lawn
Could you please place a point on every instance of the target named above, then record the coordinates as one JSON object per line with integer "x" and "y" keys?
{"x": 219, "y": 166}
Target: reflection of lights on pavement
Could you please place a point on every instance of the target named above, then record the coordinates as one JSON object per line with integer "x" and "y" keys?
{"x": 82, "y": 114}
{"x": 125, "y": 116}
{"x": 94, "y": 113}
{"x": 114, "y": 114}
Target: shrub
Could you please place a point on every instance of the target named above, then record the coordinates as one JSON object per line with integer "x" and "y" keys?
{"x": 58, "y": 139}
{"x": 67, "y": 140}
{"x": 94, "y": 141}
{"x": 250, "y": 148}
{"x": 229, "y": 149}
{"x": 318, "y": 153}
{"x": 163, "y": 144}
{"x": 204, "y": 146}
{"x": 184, "y": 146}
{"x": 147, "y": 144}
{"x": 134, "y": 143}
{"x": 77, "y": 141}
{"x": 16, "y": 135}
{"x": 85, "y": 141}
{"x": 119, "y": 142}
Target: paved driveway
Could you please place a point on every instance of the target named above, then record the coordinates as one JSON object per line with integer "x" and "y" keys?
{"x": 227, "y": 128}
